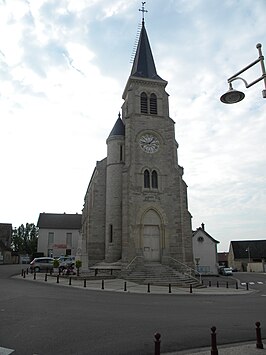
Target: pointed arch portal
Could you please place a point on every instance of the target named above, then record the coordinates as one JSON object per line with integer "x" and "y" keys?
{"x": 151, "y": 236}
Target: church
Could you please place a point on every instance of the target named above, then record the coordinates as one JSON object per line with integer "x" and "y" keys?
{"x": 135, "y": 208}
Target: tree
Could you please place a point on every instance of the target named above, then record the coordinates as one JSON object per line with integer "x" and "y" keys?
{"x": 25, "y": 239}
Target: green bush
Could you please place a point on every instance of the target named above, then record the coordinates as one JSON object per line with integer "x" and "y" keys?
{"x": 56, "y": 263}
{"x": 78, "y": 264}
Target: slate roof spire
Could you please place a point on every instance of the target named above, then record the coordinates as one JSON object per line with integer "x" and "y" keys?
{"x": 143, "y": 65}
{"x": 119, "y": 128}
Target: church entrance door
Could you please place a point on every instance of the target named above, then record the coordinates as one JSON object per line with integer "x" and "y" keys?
{"x": 151, "y": 243}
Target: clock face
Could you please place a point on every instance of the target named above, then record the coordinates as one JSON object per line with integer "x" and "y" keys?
{"x": 149, "y": 143}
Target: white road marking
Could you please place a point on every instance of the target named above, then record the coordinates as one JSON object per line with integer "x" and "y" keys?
{"x": 5, "y": 351}
{"x": 260, "y": 282}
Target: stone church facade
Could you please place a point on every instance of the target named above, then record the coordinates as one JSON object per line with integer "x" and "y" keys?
{"x": 135, "y": 208}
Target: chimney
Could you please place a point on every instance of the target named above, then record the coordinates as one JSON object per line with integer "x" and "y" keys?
{"x": 203, "y": 226}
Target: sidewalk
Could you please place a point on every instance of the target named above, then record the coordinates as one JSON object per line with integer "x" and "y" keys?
{"x": 231, "y": 349}
{"x": 119, "y": 285}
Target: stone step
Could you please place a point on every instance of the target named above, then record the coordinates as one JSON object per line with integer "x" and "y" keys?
{"x": 158, "y": 274}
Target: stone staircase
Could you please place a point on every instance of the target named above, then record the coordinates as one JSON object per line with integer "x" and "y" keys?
{"x": 157, "y": 274}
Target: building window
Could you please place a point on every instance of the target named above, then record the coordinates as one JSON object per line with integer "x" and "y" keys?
{"x": 110, "y": 233}
{"x": 50, "y": 253}
{"x": 69, "y": 239}
{"x": 153, "y": 104}
{"x": 121, "y": 153}
{"x": 147, "y": 179}
{"x": 154, "y": 180}
{"x": 150, "y": 180}
{"x": 50, "y": 238}
{"x": 143, "y": 103}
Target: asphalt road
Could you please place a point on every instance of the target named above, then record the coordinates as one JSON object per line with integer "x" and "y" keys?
{"x": 38, "y": 318}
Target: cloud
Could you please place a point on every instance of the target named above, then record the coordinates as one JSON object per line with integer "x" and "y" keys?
{"x": 63, "y": 67}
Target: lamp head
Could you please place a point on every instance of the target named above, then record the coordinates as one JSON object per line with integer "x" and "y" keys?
{"x": 232, "y": 96}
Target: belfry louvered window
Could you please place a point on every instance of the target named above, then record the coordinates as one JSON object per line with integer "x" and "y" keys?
{"x": 143, "y": 103}
{"x": 153, "y": 104}
{"x": 154, "y": 179}
{"x": 146, "y": 179}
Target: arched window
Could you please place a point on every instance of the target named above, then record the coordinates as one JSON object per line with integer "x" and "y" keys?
{"x": 146, "y": 179}
{"x": 154, "y": 180}
{"x": 143, "y": 103}
{"x": 153, "y": 104}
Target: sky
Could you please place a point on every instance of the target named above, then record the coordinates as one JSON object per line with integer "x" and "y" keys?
{"x": 63, "y": 67}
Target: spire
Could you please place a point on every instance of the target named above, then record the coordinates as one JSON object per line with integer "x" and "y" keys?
{"x": 143, "y": 65}
{"x": 119, "y": 128}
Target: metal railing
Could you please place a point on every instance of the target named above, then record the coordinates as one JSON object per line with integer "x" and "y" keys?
{"x": 187, "y": 269}
{"x": 132, "y": 261}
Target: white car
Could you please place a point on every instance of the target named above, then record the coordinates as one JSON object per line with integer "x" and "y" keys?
{"x": 66, "y": 261}
{"x": 227, "y": 271}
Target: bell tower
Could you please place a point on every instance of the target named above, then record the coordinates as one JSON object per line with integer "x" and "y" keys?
{"x": 135, "y": 207}
{"x": 156, "y": 223}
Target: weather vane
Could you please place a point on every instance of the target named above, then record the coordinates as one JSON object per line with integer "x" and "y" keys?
{"x": 143, "y": 10}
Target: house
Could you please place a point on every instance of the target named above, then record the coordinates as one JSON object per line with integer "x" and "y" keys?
{"x": 58, "y": 233}
{"x": 5, "y": 243}
{"x": 247, "y": 255}
{"x": 223, "y": 259}
{"x": 135, "y": 208}
{"x": 205, "y": 251}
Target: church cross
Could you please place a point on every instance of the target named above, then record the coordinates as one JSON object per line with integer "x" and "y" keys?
{"x": 143, "y": 10}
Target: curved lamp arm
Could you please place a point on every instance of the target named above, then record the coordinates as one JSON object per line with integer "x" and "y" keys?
{"x": 233, "y": 96}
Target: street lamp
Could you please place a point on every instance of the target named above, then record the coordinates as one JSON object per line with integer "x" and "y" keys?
{"x": 232, "y": 96}
{"x": 248, "y": 250}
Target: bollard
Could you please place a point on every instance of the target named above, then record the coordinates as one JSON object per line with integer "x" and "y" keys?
{"x": 217, "y": 283}
{"x": 226, "y": 284}
{"x": 27, "y": 271}
{"x": 148, "y": 288}
{"x": 24, "y": 274}
{"x": 236, "y": 285}
{"x": 210, "y": 283}
{"x": 170, "y": 288}
{"x": 214, "y": 350}
{"x": 125, "y": 286}
{"x": 247, "y": 286}
{"x": 259, "y": 344}
{"x": 45, "y": 277}
{"x": 157, "y": 344}
{"x": 57, "y": 279}
{"x": 84, "y": 284}
{"x": 69, "y": 281}
{"x": 190, "y": 288}
{"x": 34, "y": 276}
{"x": 102, "y": 284}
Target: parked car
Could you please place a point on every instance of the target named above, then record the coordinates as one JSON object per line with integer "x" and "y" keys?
{"x": 66, "y": 261}
{"x": 44, "y": 264}
{"x": 227, "y": 271}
